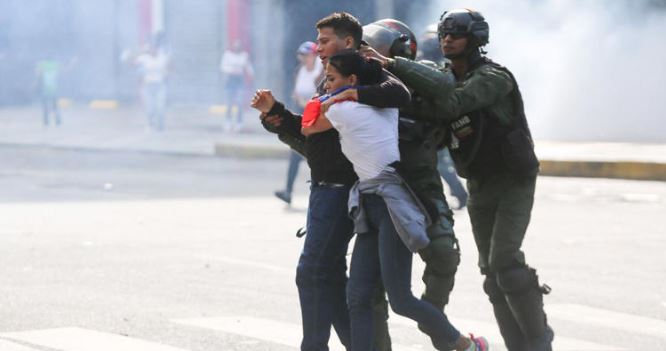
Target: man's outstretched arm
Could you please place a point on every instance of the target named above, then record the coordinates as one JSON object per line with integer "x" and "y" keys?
{"x": 275, "y": 118}
{"x": 390, "y": 92}
{"x": 487, "y": 86}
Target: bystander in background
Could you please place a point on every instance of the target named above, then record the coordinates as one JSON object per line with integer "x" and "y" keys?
{"x": 308, "y": 75}
{"x": 48, "y": 72}
{"x": 153, "y": 66}
{"x": 237, "y": 72}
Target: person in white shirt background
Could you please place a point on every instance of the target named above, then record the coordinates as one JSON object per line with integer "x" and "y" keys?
{"x": 236, "y": 70}
{"x": 153, "y": 66}
{"x": 309, "y": 75}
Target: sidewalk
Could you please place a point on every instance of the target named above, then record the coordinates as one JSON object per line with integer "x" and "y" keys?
{"x": 196, "y": 131}
{"x": 188, "y": 131}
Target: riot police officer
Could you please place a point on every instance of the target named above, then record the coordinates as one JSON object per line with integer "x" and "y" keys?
{"x": 421, "y": 136}
{"x": 492, "y": 147}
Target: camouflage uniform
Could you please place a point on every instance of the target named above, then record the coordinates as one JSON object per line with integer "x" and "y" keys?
{"x": 491, "y": 144}
{"x": 421, "y": 136}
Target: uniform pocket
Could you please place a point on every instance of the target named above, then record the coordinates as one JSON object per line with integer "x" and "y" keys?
{"x": 518, "y": 153}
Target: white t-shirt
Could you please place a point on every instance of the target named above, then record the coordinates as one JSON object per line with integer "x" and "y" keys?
{"x": 368, "y": 135}
{"x": 153, "y": 67}
{"x": 236, "y": 63}
{"x": 306, "y": 84}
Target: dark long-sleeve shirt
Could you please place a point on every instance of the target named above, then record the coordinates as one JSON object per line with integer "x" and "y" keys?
{"x": 322, "y": 150}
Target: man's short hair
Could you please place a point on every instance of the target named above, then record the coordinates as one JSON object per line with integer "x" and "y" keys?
{"x": 344, "y": 25}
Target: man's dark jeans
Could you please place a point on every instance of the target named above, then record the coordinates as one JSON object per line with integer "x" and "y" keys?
{"x": 321, "y": 274}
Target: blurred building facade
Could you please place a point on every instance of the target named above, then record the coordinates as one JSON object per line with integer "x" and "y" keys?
{"x": 94, "y": 41}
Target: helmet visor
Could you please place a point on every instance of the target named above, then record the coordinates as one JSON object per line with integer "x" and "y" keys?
{"x": 453, "y": 27}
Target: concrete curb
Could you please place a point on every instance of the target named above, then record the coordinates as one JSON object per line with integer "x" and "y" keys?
{"x": 635, "y": 170}
{"x": 605, "y": 169}
{"x": 556, "y": 168}
{"x": 250, "y": 151}
{"x": 109, "y": 150}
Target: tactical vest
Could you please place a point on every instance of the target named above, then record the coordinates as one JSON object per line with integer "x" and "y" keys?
{"x": 480, "y": 145}
{"x": 418, "y": 123}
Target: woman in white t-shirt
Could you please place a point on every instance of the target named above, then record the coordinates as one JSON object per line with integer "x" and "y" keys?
{"x": 387, "y": 215}
{"x": 368, "y": 135}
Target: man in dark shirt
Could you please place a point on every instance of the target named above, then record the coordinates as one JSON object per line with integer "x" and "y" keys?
{"x": 321, "y": 274}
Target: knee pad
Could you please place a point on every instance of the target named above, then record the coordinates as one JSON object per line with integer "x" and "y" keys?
{"x": 442, "y": 256}
{"x": 495, "y": 294}
{"x": 517, "y": 280}
{"x": 442, "y": 259}
{"x": 442, "y": 224}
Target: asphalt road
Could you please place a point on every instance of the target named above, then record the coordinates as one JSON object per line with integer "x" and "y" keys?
{"x": 141, "y": 251}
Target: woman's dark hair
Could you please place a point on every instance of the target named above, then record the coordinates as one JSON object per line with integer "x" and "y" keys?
{"x": 349, "y": 62}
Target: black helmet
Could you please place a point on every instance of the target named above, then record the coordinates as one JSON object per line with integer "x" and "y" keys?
{"x": 429, "y": 48}
{"x": 466, "y": 22}
{"x": 390, "y": 38}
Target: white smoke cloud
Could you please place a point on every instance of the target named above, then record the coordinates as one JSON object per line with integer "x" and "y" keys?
{"x": 589, "y": 70}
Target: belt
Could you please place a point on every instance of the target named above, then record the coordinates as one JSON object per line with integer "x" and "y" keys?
{"x": 329, "y": 184}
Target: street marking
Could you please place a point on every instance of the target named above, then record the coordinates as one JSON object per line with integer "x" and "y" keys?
{"x": 103, "y": 104}
{"x": 249, "y": 263}
{"x": 217, "y": 109}
{"x": 645, "y": 198}
{"x": 78, "y": 339}
{"x": 491, "y": 332}
{"x": 263, "y": 329}
{"x": 278, "y": 332}
{"x": 464, "y": 326}
{"x": 10, "y": 346}
{"x": 609, "y": 319}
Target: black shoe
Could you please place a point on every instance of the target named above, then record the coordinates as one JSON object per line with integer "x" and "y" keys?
{"x": 284, "y": 196}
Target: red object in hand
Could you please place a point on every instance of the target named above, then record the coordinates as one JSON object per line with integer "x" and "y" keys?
{"x": 311, "y": 113}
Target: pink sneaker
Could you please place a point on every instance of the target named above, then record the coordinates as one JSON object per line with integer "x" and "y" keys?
{"x": 480, "y": 343}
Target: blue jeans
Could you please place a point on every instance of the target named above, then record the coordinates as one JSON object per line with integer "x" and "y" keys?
{"x": 294, "y": 161}
{"x": 380, "y": 253}
{"x": 50, "y": 106}
{"x": 234, "y": 87}
{"x": 321, "y": 275}
{"x": 154, "y": 100}
{"x": 447, "y": 170}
